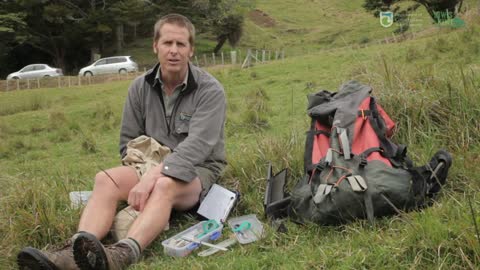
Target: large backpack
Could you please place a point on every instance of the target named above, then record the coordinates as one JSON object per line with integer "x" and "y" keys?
{"x": 352, "y": 169}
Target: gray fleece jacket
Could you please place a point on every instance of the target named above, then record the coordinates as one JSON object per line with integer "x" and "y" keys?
{"x": 196, "y": 130}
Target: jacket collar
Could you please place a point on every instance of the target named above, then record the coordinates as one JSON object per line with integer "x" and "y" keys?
{"x": 191, "y": 83}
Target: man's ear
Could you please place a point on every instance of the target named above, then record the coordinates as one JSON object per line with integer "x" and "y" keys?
{"x": 192, "y": 52}
{"x": 155, "y": 47}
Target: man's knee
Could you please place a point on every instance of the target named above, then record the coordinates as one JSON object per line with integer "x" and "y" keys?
{"x": 165, "y": 187}
{"x": 173, "y": 189}
{"x": 105, "y": 182}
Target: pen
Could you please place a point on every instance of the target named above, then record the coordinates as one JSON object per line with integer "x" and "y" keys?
{"x": 203, "y": 243}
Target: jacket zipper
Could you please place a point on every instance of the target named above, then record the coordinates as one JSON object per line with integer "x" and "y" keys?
{"x": 159, "y": 91}
{"x": 174, "y": 112}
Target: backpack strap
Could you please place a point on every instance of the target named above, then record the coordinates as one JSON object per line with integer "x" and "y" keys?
{"x": 367, "y": 197}
{"x": 363, "y": 156}
{"x": 316, "y": 169}
{"x": 344, "y": 142}
{"x": 378, "y": 125}
{"x": 307, "y": 155}
{"x": 317, "y": 132}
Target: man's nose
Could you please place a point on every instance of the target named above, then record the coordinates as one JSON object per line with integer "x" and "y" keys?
{"x": 174, "y": 48}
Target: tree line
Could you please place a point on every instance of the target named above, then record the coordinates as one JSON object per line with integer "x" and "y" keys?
{"x": 67, "y": 33}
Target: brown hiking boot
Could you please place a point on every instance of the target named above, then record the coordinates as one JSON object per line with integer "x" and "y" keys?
{"x": 90, "y": 254}
{"x": 62, "y": 259}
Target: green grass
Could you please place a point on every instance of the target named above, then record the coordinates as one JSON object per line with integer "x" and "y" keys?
{"x": 53, "y": 141}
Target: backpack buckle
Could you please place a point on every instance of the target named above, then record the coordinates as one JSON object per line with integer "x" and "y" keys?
{"x": 322, "y": 191}
{"x": 321, "y": 166}
{"x": 357, "y": 183}
{"x": 363, "y": 161}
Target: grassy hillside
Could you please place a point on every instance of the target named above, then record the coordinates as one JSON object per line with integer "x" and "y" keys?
{"x": 302, "y": 27}
{"x": 53, "y": 141}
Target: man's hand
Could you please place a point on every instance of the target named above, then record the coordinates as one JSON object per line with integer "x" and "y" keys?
{"x": 138, "y": 196}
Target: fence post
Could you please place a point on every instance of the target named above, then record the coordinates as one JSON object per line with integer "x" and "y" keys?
{"x": 283, "y": 54}
{"x": 263, "y": 56}
{"x": 79, "y": 81}
{"x": 38, "y": 83}
{"x": 18, "y": 84}
{"x": 58, "y": 81}
{"x": 223, "y": 62}
{"x": 256, "y": 56}
{"x": 7, "y": 81}
{"x": 196, "y": 61}
{"x": 233, "y": 55}
{"x": 269, "y": 55}
{"x": 69, "y": 81}
{"x": 276, "y": 55}
{"x": 205, "y": 60}
{"x": 28, "y": 83}
{"x": 214, "y": 62}
{"x": 246, "y": 63}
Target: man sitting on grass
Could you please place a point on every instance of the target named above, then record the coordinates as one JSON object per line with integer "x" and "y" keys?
{"x": 182, "y": 108}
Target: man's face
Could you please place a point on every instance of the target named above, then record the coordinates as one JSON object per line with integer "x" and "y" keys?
{"x": 173, "y": 49}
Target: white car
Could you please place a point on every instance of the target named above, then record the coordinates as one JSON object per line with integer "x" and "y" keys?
{"x": 115, "y": 64}
{"x": 35, "y": 71}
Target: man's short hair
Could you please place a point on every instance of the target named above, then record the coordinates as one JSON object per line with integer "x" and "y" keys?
{"x": 178, "y": 20}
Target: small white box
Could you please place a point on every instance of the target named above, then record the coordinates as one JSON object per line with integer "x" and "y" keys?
{"x": 185, "y": 248}
{"x": 252, "y": 234}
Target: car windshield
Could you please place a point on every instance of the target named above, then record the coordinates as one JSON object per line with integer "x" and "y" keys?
{"x": 27, "y": 68}
{"x": 100, "y": 62}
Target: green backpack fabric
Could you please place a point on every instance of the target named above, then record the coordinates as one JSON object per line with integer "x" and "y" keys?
{"x": 352, "y": 169}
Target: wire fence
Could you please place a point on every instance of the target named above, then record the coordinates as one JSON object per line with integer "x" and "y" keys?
{"x": 234, "y": 58}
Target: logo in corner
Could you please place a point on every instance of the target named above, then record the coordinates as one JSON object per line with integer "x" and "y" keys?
{"x": 386, "y": 18}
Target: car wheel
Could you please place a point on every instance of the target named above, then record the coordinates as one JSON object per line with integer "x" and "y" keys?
{"x": 122, "y": 71}
{"x": 46, "y": 76}
{"x": 16, "y": 78}
{"x": 87, "y": 74}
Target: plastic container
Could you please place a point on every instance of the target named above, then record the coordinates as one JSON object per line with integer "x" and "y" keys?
{"x": 252, "y": 233}
{"x": 177, "y": 247}
{"x": 79, "y": 198}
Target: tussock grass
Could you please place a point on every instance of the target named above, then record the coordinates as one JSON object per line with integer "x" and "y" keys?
{"x": 56, "y": 120}
{"x": 38, "y": 215}
{"x": 89, "y": 142}
{"x": 255, "y": 117}
{"x": 33, "y": 103}
{"x": 106, "y": 115}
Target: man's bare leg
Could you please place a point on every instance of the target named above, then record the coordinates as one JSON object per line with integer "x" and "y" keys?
{"x": 167, "y": 194}
{"x": 98, "y": 215}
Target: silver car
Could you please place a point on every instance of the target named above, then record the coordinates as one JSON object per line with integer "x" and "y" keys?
{"x": 35, "y": 71}
{"x": 116, "y": 64}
